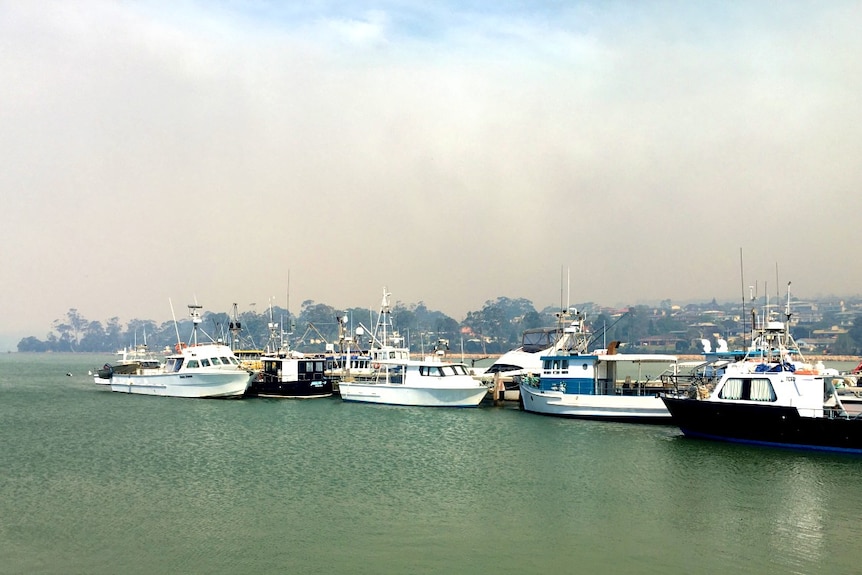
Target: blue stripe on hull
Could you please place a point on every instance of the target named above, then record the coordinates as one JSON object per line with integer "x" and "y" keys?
{"x": 707, "y": 436}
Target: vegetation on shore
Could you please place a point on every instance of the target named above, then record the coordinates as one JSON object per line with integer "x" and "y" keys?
{"x": 492, "y": 330}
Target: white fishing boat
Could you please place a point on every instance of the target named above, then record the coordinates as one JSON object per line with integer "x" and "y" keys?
{"x": 195, "y": 370}
{"x": 591, "y": 386}
{"x": 385, "y": 344}
{"x": 348, "y": 360}
{"x": 396, "y": 379}
{"x": 427, "y": 383}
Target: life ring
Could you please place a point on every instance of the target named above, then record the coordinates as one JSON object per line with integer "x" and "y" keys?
{"x": 375, "y": 365}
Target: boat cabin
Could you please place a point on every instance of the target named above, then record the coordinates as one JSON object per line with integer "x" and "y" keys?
{"x": 776, "y": 384}
{"x": 419, "y": 373}
{"x": 177, "y": 362}
{"x": 617, "y": 374}
{"x": 389, "y": 353}
{"x": 338, "y": 363}
{"x": 281, "y": 370}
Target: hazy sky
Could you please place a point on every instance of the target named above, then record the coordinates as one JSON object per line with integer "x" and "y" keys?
{"x": 451, "y": 151}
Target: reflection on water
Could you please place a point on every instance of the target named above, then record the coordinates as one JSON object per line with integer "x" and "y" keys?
{"x": 95, "y": 482}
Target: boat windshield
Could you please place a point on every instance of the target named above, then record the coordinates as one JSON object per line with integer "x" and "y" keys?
{"x": 173, "y": 364}
{"x": 442, "y": 370}
{"x": 534, "y": 340}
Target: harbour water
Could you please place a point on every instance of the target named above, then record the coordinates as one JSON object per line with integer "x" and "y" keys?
{"x": 98, "y": 482}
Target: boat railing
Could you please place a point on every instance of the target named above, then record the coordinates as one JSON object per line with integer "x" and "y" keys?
{"x": 695, "y": 385}
{"x": 641, "y": 390}
{"x": 683, "y": 380}
{"x": 645, "y": 387}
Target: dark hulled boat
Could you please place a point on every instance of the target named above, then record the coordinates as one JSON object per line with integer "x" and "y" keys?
{"x": 287, "y": 373}
{"x": 291, "y": 376}
{"x": 772, "y": 425}
{"x": 771, "y": 398}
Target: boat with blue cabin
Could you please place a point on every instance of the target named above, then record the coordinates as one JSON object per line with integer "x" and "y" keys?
{"x": 526, "y": 360}
{"x": 591, "y": 386}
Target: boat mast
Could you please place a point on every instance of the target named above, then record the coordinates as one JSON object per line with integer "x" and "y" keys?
{"x": 742, "y": 290}
{"x": 273, "y": 327}
{"x": 385, "y": 311}
{"x": 194, "y": 312}
{"x": 176, "y": 325}
{"x": 235, "y": 329}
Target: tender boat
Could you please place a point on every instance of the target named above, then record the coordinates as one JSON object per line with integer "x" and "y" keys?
{"x": 590, "y": 386}
{"x": 771, "y": 397}
{"x": 427, "y": 383}
{"x": 195, "y": 370}
{"x": 137, "y": 360}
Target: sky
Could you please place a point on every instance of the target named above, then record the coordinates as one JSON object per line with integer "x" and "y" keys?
{"x": 164, "y": 152}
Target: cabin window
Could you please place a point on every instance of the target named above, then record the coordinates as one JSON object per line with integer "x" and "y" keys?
{"x": 761, "y": 390}
{"x": 732, "y": 389}
{"x": 555, "y": 365}
{"x": 755, "y": 389}
{"x": 225, "y": 361}
{"x": 193, "y": 363}
{"x": 205, "y": 362}
{"x": 433, "y": 371}
{"x": 215, "y": 361}
{"x": 234, "y": 360}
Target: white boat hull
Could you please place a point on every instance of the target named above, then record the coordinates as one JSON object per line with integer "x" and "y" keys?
{"x": 610, "y": 407}
{"x": 413, "y": 396}
{"x": 218, "y": 383}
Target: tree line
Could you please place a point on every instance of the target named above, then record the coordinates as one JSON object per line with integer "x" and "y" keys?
{"x": 491, "y": 330}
